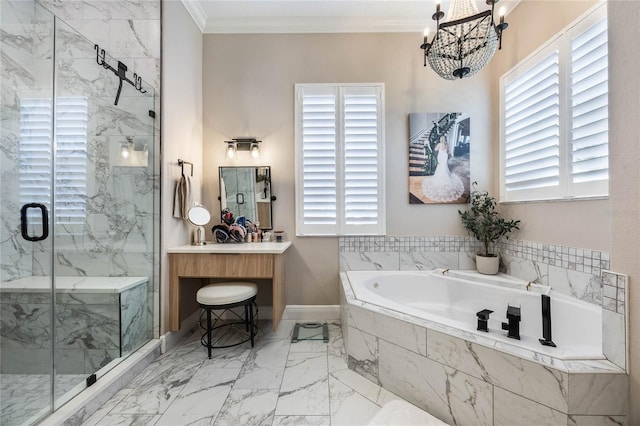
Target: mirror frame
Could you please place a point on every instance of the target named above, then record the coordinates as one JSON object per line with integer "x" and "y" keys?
{"x": 255, "y": 169}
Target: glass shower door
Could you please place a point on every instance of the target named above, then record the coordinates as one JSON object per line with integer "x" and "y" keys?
{"x": 104, "y": 213}
{"x": 26, "y": 170}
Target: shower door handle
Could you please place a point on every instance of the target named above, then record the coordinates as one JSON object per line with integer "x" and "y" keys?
{"x": 239, "y": 198}
{"x": 24, "y": 221}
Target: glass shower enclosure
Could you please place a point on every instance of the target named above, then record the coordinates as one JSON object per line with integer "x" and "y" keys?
{"x": 78, "y": 213}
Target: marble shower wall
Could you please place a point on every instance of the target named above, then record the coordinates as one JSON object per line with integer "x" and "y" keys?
{"x": 118, "y": 237}
{"x": 27, "y": 62}
{"x": 575, "y": 272}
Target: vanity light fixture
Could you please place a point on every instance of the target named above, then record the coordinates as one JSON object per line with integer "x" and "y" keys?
{"x": 255, "y": 151}
{"x": 126, "y": 148}
{"x": 231, "y": 150}
{"x": 243, "y": 144}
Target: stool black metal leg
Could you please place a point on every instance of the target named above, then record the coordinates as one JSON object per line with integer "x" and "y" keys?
{"x": 250, "y": 322}
{"x": 209, "y": 332}
{"x": 246, "y": 317}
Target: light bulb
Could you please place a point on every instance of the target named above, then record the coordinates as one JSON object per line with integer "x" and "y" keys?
{"x": 124, "y": 150}
{"x": 231, "y": 151}
{"x": 501, "y": 13}
{"x": 255, "y": 150}
{"x": 426, "y": 35}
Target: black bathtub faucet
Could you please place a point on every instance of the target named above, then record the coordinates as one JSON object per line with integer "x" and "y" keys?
{"x": 483, "y": 319}
{"x": 546, "y": 322}
{"x": 513, "y": 326}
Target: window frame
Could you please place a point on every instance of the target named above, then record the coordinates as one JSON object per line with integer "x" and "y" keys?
{"x": 566, "y": 190}
{"x": 340, "y": 228}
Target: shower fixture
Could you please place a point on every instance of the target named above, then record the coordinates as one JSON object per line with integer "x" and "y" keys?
{"x": 121, "y": 73}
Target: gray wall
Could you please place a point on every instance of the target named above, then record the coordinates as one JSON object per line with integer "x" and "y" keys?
{"x": 181, "y": 125}
{"x": 249, "y": 90}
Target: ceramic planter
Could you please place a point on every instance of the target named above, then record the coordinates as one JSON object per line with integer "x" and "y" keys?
{"x": 487, "y": 265}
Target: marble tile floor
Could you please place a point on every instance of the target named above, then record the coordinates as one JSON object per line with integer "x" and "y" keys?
{"x": 276, "y": 383}
{"x": 27, "y": 397}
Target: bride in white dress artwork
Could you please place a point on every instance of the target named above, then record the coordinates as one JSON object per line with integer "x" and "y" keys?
{"x": 443, "y": 186}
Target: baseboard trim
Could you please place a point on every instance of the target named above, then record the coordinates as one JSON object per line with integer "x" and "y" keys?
{"x": 312, "y": 312}
{"x": 188, "y": 325}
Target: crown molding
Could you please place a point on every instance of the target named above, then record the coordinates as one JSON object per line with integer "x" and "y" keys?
{"x": 282, "y": 25}
{"x": 197, "y": 13}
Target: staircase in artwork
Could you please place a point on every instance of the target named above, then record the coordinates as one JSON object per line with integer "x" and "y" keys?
{"x": 422, "y": 158}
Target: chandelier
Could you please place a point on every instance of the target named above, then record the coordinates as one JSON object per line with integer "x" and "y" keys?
{"x": 465, "y": 43}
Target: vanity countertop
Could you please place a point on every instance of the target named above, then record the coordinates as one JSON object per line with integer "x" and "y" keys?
{"x": 234, "y": 248}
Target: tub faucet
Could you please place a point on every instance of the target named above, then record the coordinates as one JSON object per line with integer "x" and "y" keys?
{"x": 445, "y": 271}
{"x": 513, "y": 326}
{"x": 483, "y": 319}
{"x": 546, "y": 321}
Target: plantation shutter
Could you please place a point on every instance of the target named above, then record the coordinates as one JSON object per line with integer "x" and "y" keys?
{"x": 319, "y": 176}
{"x": 532, "y": 127}
{"x": 71, "y": 160}
{"x": 361, "y": 157}
{"x": 589, "y": 105}
{"x": 554, "y": 111}
{"x": 35, "y": 152}
{"x": 339, "y": 183}
{"x": 36, "y": 148}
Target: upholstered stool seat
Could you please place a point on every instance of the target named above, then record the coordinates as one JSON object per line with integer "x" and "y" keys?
{"x": 224, "y": 293}
{"x": 226, "y": 296}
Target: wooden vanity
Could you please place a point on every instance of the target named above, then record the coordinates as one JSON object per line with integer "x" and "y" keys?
{"x": 235, "y": 261}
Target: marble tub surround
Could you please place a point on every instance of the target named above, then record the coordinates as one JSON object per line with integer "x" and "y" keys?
{"x": 571, "y": 271}
{"x": 93, "y": 325}
{"x": 615, "y": 329}
{"x": 568, "y": 270}
{"x": 464, "y": 378}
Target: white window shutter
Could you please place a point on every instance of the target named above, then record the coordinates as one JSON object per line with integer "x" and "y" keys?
{"x": 589, "y": 105}
{"x": 71, "y": 160}
{"x": 362, "y": 157}
{"x": 532, "y": 127}
{"x": 317, "y": 177}
{"x": 339, "y": 160}
{"x": 35, "y": 154}
{"x": 554, "y": 117}
{"x": 36, "y": 148}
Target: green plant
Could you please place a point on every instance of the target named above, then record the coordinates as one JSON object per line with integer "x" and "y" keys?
{"x": 483, "y": 221}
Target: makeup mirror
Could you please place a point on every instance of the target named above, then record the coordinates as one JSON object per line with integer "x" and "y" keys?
{"x": 246, "y": 191}
{"x": 198, "y": 216}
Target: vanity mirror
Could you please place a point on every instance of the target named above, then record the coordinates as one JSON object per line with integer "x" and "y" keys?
{"x": 246, "y": 191}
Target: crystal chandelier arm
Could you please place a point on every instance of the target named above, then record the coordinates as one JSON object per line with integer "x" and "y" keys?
{"x": 466, "y": 43}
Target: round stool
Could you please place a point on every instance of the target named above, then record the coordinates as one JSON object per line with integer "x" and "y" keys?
{"x": 225, "y": 297}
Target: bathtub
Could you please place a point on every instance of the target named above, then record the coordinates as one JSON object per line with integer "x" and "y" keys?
{"x": 452, "y": 298}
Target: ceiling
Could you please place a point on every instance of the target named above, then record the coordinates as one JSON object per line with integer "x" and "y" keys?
{"x": 312, "y": 16}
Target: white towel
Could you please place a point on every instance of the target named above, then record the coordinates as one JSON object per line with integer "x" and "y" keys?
{"x": 182, "y": 197}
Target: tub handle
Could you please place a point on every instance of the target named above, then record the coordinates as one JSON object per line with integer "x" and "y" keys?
{"x": 483, "y": 319}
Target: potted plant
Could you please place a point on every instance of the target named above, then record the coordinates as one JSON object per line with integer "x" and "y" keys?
{"x": 485, "y": 224}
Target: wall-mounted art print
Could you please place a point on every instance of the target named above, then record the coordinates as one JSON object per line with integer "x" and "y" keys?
{"x": 439, "y": 158}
